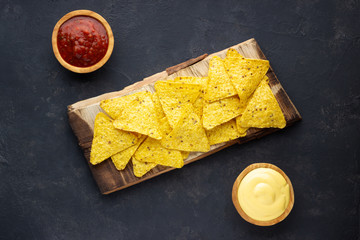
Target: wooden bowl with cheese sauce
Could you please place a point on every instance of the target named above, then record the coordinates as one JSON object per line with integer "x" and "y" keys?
{"x": 263, "y": 194}
{"x": 82, "y": 41}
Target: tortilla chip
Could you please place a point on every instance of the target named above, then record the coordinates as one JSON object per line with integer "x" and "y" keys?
{"x": 223, "y": 133}
{"x": 141, "y": 168}
{"x": 183, "y": 79}
{"x": 174, "y": 110}
{"x": 221, "y": 111}
{"x": 242, "y": 131}
{"x": 139, "y": 116}
{"x": 108, "y": 140}
{"x": 191, "y": 80}
{"x": 152, "y": 151}
{"x": 263, "y": 111}
{"x": 122, "y": 158}
{"x": 199, "y": 105}
{"x": 232, "y": 53}
{"x": 113, "y": 107}
{"x": 199, "y": 102}
{"x": 188, "y": 135}
{"x": 184, "y": 92}
{"x": 184, "y": 155}
{"x": 245, "y": 75}
{"x": 165, "y": 127}
{"x": 219, "y": 85}
{"x": 176, "y": 99}
{"x": 158, "y": 108}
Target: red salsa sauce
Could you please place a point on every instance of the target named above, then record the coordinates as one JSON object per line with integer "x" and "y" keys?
{"x": 82, "y": 41}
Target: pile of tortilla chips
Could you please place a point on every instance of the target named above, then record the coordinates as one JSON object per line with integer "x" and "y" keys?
{"x": 186, "y": 114}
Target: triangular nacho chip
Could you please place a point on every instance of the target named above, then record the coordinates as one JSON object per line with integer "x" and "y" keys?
{"x": 221, "y": 111}
{"x": 223, "y": 133}
{"x": 166, "y": 130}
{"x": 184, "y": 92}
{"x": 188, "y": 135}
{"x": 242, "y": 130}
{"x": 176, "y": 99}
{"x": 174, "y": 110}
{"x": 152, "y": 151}
{"x": 232, "y": 53}
{"x": 199, "y": 105}
{"x": 139, "y": 116}
{"x": 122, "y": 158}
{"x": 158, "y": 108}
{"x": 165, "y": 127}
{"x": 182, "y": 79}
{"x": 219, "y": 85}
{"x": 108, "y": 140}
{"x": 141, "y": 168}
{"x": 114, "y": 106}
{"x": 245, "y": 75}
{"x": 263, "y": 111}
{"x": 185, "y": 155}
{"x": 192, "y": 80}
{"x": 199, "y": 102}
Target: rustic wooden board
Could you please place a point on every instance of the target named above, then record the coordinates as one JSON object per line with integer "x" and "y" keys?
{"x": 82, "y": 115}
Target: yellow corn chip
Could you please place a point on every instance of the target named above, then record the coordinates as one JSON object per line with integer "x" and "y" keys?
{"x": 188, "y": 135}
{"x": 199, "y": 105}
{"x": 192, "y": 80}
{"x": 242, "y": 131}
{"x": 199, "y": 102}
{"x": 263, "y": 111}
{"x": 139, "y": 116}
{"x": 184, "y": 92}
{"x": 122, "y": 158}
{"x": 165, "y": 127}
{"x": 221, "y": 111}
{"x": 245, "y": 75}
{"x": 152, "y": 151}
{"x": 232, "y": 53}
{"x": 219, "y": 85}
{"x": 183, "y": 79}
{"x": 176, "y": 98}
{"x": 223, "y": 133}
{"x": 108, "y": 140}
{"x": 158, "y": 108}
{"x": 185, "y": 155}
{"x": 174, "y": 110}
{"x": 113, "y": 107}
{"x": 141, "y": 168}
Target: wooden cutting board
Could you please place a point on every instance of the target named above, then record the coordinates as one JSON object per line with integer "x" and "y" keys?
{"x": 82, "y": 115}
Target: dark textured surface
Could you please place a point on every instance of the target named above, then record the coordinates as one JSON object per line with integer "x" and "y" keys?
{"x": 46, "y": 189}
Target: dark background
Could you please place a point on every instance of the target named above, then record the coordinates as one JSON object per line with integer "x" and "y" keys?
{"x": 46, "y": 188}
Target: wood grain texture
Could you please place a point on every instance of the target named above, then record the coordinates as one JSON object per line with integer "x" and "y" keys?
{"x": 238, "y": 206}
{"x": 189, "y": 62}
{"x": 82, "y": 115}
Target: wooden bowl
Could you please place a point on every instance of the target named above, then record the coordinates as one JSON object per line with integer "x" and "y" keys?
{"x": 108, "y": 31}
{"x": 241, "y": 211}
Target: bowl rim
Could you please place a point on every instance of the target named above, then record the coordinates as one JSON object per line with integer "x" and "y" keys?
{"x": 108, "y": 31}
{"x": 242, "y": 212}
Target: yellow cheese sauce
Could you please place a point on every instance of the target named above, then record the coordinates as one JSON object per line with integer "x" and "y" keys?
{"x": 263, "y": 194}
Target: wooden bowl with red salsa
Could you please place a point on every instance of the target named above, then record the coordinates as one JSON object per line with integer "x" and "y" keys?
{"x": 82, "y": 41}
